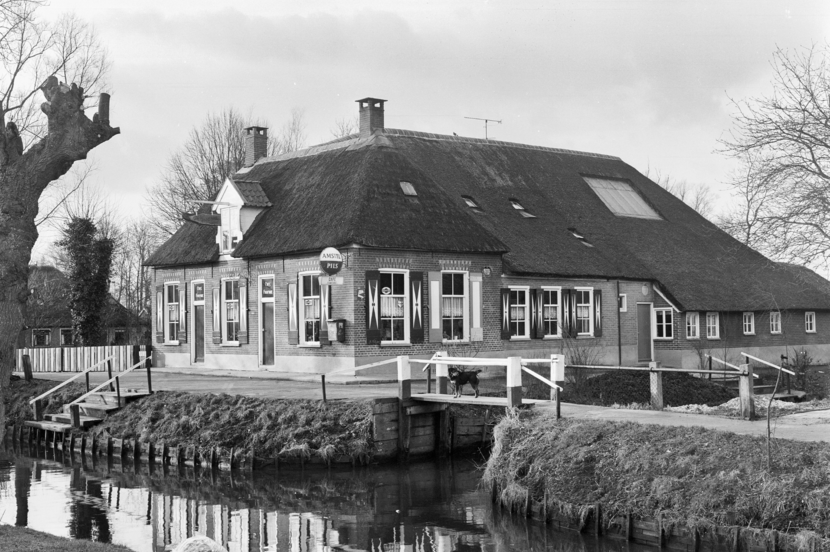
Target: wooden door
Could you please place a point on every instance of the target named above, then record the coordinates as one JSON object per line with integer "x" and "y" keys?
{"x": 199, "y": 333}
{"x": 268, "y": 334}
{"x": 644, "y": 332}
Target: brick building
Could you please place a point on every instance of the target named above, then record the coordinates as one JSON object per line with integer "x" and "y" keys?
{"x": 487, "y": 248}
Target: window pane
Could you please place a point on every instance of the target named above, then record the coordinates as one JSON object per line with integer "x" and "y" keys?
{"x": 446, "y": 283}
{"x": 458, "y": 284}
{"x": 267, "y": 288}
{"x": 386, "y": 281}
{"x": 391, "y": 306}
{"x": 621, "y": 198}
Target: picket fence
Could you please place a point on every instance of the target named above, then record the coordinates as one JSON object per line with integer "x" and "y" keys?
{"x": 77, "y": 359}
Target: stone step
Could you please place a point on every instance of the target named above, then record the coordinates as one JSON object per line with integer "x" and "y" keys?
{"x": 86, "y": 421}
{"x": 94, "y": 410}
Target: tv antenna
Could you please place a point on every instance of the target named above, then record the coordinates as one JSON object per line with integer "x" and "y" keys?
{"x": 486, "y": 122}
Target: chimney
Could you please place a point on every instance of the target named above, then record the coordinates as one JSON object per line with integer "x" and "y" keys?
{"x": 371, "y": 116}
{"x": 256, "y": 144}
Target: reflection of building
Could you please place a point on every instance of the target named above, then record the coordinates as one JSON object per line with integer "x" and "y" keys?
{"x": 420, "y": 507}
{"x": 489, "y": 247}
{"x": 49, "y": 320}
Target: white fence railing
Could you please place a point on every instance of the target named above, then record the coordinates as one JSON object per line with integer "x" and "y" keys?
{"x": 77, "y": 359}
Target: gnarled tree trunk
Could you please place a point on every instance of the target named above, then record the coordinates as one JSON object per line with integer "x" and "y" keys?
{"x": 23, "y": 178}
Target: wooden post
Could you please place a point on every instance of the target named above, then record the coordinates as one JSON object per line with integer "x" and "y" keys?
{"x": 557, "y": 376}
{"x": 746, "y": 393}
{"x": 27, "y": 368}
{"x": 429, "y": 378}
{"x": 87, "y": 382}
{"x": 38, "y": 408}
{"x": 404, "y": 378}
{"x": 442, "y": 375}
{"x": 75, "y": 415}
{"x": 323, "y": 381}
{"x": 656, "y": 385}
{"x": 148, "y": 363}
{"x": 109, "y": 374}
{"x": 710, "y": 367}
{"x": 514, "y": 382}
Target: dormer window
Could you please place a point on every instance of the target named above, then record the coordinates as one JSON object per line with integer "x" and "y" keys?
{"x": 230, "y": 231}
{"x": 520, "y": 208}
{"x": 472, "y": 204}
{"x": 408, "y": 189}
{"x": 621, "y": 198}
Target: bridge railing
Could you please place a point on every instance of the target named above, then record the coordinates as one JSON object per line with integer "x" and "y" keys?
{"x": 514, "y": 367}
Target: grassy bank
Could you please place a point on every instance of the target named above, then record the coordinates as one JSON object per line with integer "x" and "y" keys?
{"x": 271, "y": 427}
{"x": 21, "y": 392}
{"x": 689, "y": 475}
{"x": 21, "y": 539}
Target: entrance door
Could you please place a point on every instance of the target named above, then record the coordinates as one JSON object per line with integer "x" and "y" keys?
{"x": 268, "y": 334}
{"x": 644, "y": 332}
{"x": 266, "y": 302}
{"x": 198, "y": 321}
{"x": 199, "y": 333}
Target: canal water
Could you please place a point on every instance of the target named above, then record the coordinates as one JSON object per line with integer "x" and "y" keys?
{"x": 422, "y": 507}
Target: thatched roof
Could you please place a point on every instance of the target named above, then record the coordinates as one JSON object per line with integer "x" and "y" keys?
{"x": 191, "y": 244}
{"x": 348, "y": 191}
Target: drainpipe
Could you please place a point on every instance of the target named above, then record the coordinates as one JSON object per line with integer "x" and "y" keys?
{"x": 619, "y": 328}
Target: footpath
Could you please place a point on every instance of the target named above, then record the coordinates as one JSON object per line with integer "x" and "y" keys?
{"x": 806, "y": 426}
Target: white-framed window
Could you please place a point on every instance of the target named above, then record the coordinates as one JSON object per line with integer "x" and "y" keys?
{"x": 519, "y": 319}
{"x": 810, "y": 322}
{"x": 692, "y": 325}
{"x": 310, "y": 309}
{"x": 622, "y": 301}
{"x": 712, "y": 325}
{"x": 663, "y": 323}
{"x": 394, "y": 307}
{"x": 775, "y": 322}
{"x": 551, "y": 302}
{"x": 171, "y": 313}
{"x": 230, "y": 312}
{"x": 454, "y": 300}
{"x": 584, "y": 311}
{"x": 41, "y": 337}
{"x": 66, "y": 337}
{"x": 749, "y": 323}
{"x": 230, "y": 230}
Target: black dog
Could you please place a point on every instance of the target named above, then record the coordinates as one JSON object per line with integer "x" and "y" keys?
{"x": 460, "y": 378}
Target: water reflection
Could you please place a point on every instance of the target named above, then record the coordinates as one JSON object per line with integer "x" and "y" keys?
{"x": 420, "y": 508}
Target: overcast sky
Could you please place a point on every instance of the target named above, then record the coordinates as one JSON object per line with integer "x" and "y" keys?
{"x": 648, "y": 81}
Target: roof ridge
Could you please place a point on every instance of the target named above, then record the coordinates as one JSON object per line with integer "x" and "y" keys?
{"x": 466, "y": 139}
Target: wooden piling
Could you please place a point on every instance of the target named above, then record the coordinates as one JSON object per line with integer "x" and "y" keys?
{"x": 514, "y": 382}
{"x": 656, "y": 385}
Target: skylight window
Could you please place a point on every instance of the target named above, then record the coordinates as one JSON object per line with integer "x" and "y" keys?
{"x": 408, "y": 189}
{"x": 580, "y": 237}
{"x": 471, "y": 203}
{"x": 621, "y": 198}
{"x": 518, "y": 206}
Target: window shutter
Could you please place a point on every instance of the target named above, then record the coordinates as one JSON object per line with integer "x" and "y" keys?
{"x": 159, "y": 314}
{"x": 372, "y": 307}
{"x": 597, "y": 313}
{"x": 217, "y": 318}
{"x": 476, "y": 326}
{"x": 539, "y": 296}
{"x": 721, "y": 325}
{"x": 436, "y": 334}
{"x": 416, "y": 307}
{"x": 566, "y": 312}
{"x": 325, "y": 297}
{"x": 182, "y": 335}
{"x": 505, "y": 313}
{"x": 535, "y": 307}
{"x": 574, "y": 325}
{"x": 293, "y": 317}
{"x": 243, "y": 311}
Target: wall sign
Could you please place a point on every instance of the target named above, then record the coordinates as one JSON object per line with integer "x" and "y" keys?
{"x": 331, "y": 261}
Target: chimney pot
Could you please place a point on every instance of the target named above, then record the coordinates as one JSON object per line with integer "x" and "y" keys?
{"x": 256, "y": 144}
{"x": 371, "y": 116}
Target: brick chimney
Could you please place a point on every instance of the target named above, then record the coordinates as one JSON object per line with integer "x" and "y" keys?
{"x": 371, "y": 116}
{"x": 256, "y": 144}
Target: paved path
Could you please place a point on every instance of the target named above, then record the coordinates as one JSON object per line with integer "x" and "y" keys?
{"x": 808, "y": 426}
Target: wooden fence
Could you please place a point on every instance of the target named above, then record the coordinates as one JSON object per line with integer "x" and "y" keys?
{"x": 77, "y": 359}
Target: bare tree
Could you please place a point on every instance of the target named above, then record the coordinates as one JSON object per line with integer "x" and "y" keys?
{"x": 131, "y": 280}
{"x": 344, "y": 127}
{"x": 212, "y": 153}
{"x": 292, "y": 136}
{"x": 783, "y": 140}
{"x": 31, "y": 54}
{"x": 697, "y": 196}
